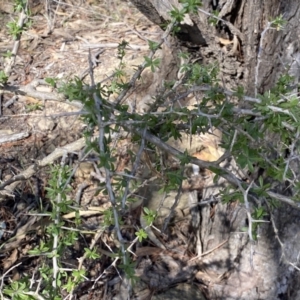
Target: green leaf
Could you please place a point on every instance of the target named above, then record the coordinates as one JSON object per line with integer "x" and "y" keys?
{"x": 177, "y": 15}
{"x": 153, "y": 45}
{"x": 91, "y": 253}
{"x": 184, "y": 158}
{"x": 153, "y": 64}
{"x": 141, "y": 234}
{"x": 261, "y": 181}
{"x": 190, "y": 6}
{"x": 278, "y": 23}
{"x": 239, "y": 92}
{"x": 51, "y": 81}
{"x": 3, "y": 77}
{"x": 149, "y": 215}
{"x": 214, "y": 21}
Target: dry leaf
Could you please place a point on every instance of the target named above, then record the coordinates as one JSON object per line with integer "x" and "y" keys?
{"x": 224, "y": 42}
{"x": 144, "y": 251}
{"x": 8, "y": 262}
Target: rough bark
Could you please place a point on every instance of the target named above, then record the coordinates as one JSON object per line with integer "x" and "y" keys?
{"x": 261, "y": 57}
{"x": 244, "y": 270}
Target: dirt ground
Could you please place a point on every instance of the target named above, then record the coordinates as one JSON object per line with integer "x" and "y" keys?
{"x": 34, "y": 122}
{"x": 63, "y": 41}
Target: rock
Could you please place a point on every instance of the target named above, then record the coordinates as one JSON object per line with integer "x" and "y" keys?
{"x": 157, "y": 202}
{"x": 49, "y": 148}
{"x": 84, "y": 170}
{"x": 42, "y": 123}
{"x": 46, "y": 124}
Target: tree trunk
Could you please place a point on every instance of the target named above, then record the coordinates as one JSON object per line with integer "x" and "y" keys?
{"x": 252, "y": 55}
{"x": 261, "y": 55}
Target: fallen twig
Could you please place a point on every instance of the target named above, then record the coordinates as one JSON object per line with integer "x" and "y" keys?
{"x": 13, "y": 137}
{"x": 114, "y": 45}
